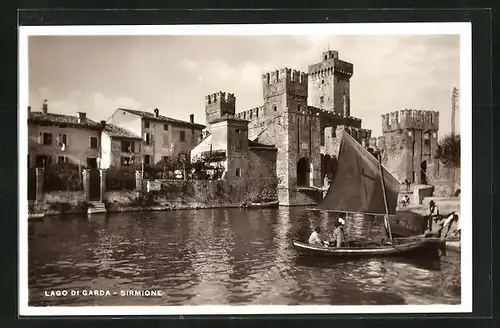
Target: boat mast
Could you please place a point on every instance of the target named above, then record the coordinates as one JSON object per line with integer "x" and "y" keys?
{"x": 386, "y": 216}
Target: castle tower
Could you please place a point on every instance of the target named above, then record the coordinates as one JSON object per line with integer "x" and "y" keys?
{"x": 219, "y": 104}
{"x": 410, "y": 139}
{"x": 329, "y": 83}
{"x": 284, "y": 90}
{"x": 294, "y": 130}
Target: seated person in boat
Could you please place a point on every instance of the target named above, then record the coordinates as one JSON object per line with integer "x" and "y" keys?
{"x": 314, "y": 237}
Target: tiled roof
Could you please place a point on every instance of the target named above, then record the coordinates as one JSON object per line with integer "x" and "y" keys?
{"x": 227, "y": 117}
{"x": 118, "y": 132}
{"x": 255, "y": 144}
{"x": 161, "y": 118}
{"x": 57, "y": 119}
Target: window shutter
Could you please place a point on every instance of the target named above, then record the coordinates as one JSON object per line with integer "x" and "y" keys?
{"x": 59, "y": 140}
{"x": 40, "y": 138}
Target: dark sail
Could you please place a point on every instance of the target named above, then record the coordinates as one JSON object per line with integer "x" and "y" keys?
{"x": 357, "y": 185}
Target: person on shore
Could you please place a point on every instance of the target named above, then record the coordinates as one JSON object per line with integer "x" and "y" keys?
{"x": 314, "y": 237}
{"x": 407, "y": 183}
{"x": 405, "y": 201}
{"x": 450, "y": 219}
{"x": 433, "y": 214}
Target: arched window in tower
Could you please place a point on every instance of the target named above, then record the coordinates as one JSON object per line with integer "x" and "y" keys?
{"x": 326, "y": 57}
{"x": 321, "y": 99}
{"x": 275, "y": 108}
{"x": 323, "y": 81}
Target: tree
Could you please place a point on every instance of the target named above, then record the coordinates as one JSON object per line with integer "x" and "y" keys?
{"x": 448, "y": 151}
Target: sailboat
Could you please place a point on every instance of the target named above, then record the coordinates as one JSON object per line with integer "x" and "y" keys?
{"x": 362, "y": 185}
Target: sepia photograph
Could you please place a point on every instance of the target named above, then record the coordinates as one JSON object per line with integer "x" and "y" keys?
{"x": 251, "y": 169}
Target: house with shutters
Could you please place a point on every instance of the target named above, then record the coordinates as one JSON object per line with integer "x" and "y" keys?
{"x": 163, "y": 136}
{"x": 120, "y": 147}
{"x": 56, "y": 138}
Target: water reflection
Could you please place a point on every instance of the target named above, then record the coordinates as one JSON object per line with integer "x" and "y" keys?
{"x": 223, "y": 256}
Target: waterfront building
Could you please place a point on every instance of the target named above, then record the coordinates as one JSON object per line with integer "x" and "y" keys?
{"x": 302, "y": 116}
{"x": 120, "y": 147}
{"x": 163, "y": 136}
{"x": 56, "y": 138}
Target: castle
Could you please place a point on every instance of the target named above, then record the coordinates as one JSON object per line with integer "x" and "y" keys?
{"x": 410, "y": 138}
{"x": 302, "y": 117}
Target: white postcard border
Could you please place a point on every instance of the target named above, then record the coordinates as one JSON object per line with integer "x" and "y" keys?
{"x": 462, "y": 29}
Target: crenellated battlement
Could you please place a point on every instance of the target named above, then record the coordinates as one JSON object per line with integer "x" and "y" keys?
{"x": 219, "y": 104}
{"x": 330, "y": 118}
{"x": 285, "y": 75}
{"x": 220, "y": 96}
{"x": 330, "y": 65}
{"x": 410, "y": 119}
{"x": 251, "y": 114}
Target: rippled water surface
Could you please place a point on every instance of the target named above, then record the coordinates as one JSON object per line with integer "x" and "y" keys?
{"x": 221, "y": 256}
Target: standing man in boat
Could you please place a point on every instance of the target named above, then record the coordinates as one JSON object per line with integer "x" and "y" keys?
{"x": 314, "y": 237}
{"x": 433, "y": 213}
{"x": 339, "y": 232}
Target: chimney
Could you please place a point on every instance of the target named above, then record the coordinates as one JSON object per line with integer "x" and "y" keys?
{"x": 157, "y": 112}
{"x": 103, "y": 124}
{"x": 45, "y": 107}
{"x": 82, "y": 117}
{"x": 191, "y": 118}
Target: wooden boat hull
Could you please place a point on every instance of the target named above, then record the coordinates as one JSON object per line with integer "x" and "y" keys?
{"x": 272, "y": 204}
{"x": 430, "y": 246}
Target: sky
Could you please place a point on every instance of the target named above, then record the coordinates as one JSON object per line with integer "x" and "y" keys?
{"x": 98, "y": 74}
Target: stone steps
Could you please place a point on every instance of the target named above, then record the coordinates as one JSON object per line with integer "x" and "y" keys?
{"x": 96, "y": 207}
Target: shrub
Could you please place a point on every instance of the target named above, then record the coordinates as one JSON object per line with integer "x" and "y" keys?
{"x": 120, "y": 178}
{"x": 63, "y": 177}
{"x": 448, "y": 151}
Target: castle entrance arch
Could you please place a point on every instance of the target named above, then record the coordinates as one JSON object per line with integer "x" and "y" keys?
{"x": 423, "y": 172}
{"x": 303, "y": 172}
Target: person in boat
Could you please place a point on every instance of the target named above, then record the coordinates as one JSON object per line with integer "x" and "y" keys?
{"x": 433, "y": 214}
{"x": 314, "y": 237}
{"x": 339, "y": 232}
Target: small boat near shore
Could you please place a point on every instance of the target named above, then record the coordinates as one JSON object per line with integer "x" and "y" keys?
{"x": 36, "y": 216}
{"x": 364, "y": 248}
{"x": 361, "y": 185}
{"x": 271, "y": 204}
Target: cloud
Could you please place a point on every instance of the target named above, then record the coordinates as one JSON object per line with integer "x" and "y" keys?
{"x": 97, "y": 105}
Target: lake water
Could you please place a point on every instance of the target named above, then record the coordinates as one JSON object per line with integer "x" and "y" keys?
{"x": 221, "y": 257}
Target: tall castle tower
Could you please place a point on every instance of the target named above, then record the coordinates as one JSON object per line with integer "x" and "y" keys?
{"x": 409, "y": 144}
{"x": 329, "y": 84}
{"x": 286, "y": 122}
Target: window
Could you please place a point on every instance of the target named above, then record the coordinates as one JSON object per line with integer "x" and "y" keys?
{"x": 275, "y": 108}
{"x": 322, "y": 81}
{"x": 43, "y": 160}
{"x": 126, "y": 161}
{"x": 321, "y": 99}
{"x": 147, "y": 159}
{"x": 165, "y": 127}
{"x": 92, "y": 162}
{"x": 146, "y": 124}
{"x": 45, "y": 138}
{"x": 93, "y": 142}
{"x": 238, "y": 172}
{"x": 322, "y": 137}
{"x": 183, "y": 136}
{"x": 237, "y": 131}
{"x": 62, "y": 140}
{"x": 127, "y": 146}
{"x": 148, "y": 138}
{"x": 62, "y": 159}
